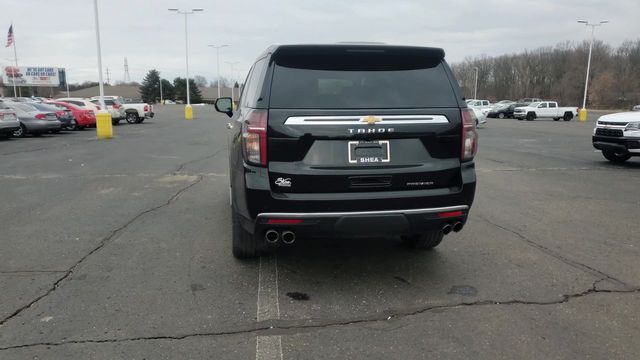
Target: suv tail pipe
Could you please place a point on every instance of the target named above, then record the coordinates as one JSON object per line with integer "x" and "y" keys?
{"x": 288, "y": 237}
{"x": 272, "y": 236}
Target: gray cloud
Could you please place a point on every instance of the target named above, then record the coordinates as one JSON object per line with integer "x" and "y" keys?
{"x": 62, "y": 33}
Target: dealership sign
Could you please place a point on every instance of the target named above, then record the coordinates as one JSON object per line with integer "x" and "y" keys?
{"x": 31, "y": 76}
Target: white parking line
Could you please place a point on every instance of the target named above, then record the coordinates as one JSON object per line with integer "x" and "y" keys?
{"x": 268, "y": 347}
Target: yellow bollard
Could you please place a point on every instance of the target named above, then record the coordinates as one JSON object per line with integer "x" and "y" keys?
{"x": 104, "y": 127}
{"x": 188, "y": 112}
{"x": 582, "y": 115}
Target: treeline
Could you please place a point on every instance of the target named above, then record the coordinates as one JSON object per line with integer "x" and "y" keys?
{"x": 558, "y": 73}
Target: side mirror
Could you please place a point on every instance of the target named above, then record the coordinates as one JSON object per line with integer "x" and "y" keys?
{"x": 224, "y": 105}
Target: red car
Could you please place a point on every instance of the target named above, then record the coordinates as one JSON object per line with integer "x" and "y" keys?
{"x": 84, "y": 117}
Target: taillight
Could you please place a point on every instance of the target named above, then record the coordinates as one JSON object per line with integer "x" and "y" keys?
{"x": 146, "y": 108}
{"x": 40, "y": 116}
{"x": 116, "y": 105}
{"x": 60, "y": 113}
{"x": 254, "y": 137}
{"x": 469, "y": 135}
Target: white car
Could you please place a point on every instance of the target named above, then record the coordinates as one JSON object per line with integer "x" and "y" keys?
{"x": 114, "y": 107}
{"x": 479, "y": 104}
{"x": 618, "y": 136}
{"x": 481, "y": 116}
{"x": 545, "y": 109}
{"x": 83, "y": 103}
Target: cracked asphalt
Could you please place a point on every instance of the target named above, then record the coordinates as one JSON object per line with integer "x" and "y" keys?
{"x": 120, "y": 249}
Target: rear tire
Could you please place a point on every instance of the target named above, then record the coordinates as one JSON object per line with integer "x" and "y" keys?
{"x": 567, "y": 116}
{"x": 73, "y": 125}
{"x": 22, "y": 132}
{"x": 556, "y": 119}
{"x": 614, "y": 157}
{"x": 132, "y": 118}
{"x": 245, "y": 245}
{"x": 501, "y": 115}
{"x": 426, "y": 241}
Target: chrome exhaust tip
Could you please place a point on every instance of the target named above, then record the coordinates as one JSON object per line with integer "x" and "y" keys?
{"x": 446, "y": 229}
{"x": 272, "y": 236}
{"x": 288, "y": 237}
{"x": 457, "y": 226}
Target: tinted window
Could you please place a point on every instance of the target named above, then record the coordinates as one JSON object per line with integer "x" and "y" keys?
{"x": 552, "y": 105}
{"x": 251, "y": 93}
{"x": 428, "y": 86}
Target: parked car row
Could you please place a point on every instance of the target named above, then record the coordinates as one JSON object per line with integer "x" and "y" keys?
{"x": 36, "y": 116}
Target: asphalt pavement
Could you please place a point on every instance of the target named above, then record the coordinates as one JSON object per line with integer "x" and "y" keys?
{"x": 121, "y": 249}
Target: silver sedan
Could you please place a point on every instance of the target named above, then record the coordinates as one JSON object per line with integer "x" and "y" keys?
{"x": 33, "y": 121}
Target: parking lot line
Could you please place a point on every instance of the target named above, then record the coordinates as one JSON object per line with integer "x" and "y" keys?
{"x": 268, "y": 347}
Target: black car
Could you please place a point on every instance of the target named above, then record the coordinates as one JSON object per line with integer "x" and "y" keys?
{"x": 349, "y": 140}
{"x": 505, "y": 112}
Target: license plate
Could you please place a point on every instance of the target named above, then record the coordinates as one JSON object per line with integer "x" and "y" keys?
{"x": 369, "y": 152}
{"x": 50, "y": 118}
{"x": 9, "y": 117}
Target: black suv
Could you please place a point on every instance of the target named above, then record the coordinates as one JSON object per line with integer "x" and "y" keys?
{"x": 349, "y": 140}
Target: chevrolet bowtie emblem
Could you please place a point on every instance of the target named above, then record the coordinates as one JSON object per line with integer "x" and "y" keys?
{"x": 370, "y": 120}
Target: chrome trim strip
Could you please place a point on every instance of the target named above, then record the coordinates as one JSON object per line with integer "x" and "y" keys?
{"x": 358, "y": 213}
{"x": 362, "y": 120}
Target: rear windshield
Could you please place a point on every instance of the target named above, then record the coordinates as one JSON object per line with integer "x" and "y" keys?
{"x": 302, "y": 87}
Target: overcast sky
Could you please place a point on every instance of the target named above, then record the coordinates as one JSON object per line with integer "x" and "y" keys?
{"x": 62, "y": 33}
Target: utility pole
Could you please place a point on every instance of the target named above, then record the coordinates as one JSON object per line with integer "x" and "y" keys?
{"x": 161, "y": 101}
{"x": 127, "y": 78}
{"x": 582, "y": 115}
{"x": 475, "y": 87}
{"x": 108, "y": 79}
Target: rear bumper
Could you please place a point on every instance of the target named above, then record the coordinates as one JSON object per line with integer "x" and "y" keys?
{"x": 352, "y": 213}
{"x": 362, "y": 223}
{"x": 7, "y": 128}
{"x": 624, "y": 145}
{"x": 41, "y": 126}
{"x": 149, "y": 114}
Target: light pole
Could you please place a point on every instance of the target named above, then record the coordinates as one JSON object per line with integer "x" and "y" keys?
{"x": 188, "y": 111}
{"x": 66, "y": 80}
{"x": 475, "y": 87}
{"x": 233, "y": 68}
{"x": 582, "y": 115}
{"x": 161, "y": 102}
{"x": 217, "y": 47}
{"x": 104, "y": 127}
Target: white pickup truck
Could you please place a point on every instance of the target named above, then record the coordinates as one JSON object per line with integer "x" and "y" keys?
{"x": 618, "y": 136}
{"x": 133, "y": 112}
{"x": 545, "y": 109}
{"x": 137, "y": 112}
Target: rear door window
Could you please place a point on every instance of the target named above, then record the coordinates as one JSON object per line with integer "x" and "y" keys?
{"x": 377, "y": 83}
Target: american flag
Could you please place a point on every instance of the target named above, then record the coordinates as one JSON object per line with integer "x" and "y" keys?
{"x": 10, "y": 36}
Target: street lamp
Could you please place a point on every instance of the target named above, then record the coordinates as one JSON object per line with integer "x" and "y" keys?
{"x": 104, "y": 127}
{"x": 217, "y": 47}
{"x": 188, "y": 111}
{"x": 233, "y": 69}
{"x": 161, "y": 100}
{"x": 475, "y": 87}
{"x": 582, "y": 115}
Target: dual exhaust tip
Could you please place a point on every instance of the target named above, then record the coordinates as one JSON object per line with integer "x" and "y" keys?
{"x": 273, "y": 236}
{"x": 447, "y": 228}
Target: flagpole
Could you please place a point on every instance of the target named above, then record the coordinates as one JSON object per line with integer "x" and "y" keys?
{"x": 15, "y": 57}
